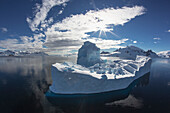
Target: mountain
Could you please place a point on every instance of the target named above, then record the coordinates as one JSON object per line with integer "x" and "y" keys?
{"x": 164, "y": 54}
{"x": 130, "y": 52}
{"x": 22, "y": 53}
{"x": 7, "y": 53}
{"x": 105, "y": 52}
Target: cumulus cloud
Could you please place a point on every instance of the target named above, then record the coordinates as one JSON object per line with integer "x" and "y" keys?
{"x": 3, "y": 29}
{"x": 157, "y": 38}
{"x": 77, "y": 26}
{"x": 63, "y": 44}
{"x": 135, "y": 42}
{"x": 8, "y": 43}
{"x": 106, "y": 44}
{"x": 31, "y": 43}
{"x": 70, "y": 33}
{"x": 95, "y": 20}
{"x": 41, "y": 12}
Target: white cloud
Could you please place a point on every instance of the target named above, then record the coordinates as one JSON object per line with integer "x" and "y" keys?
{"x": 157, "y": 38}
{"x": 168, "y": 83}
{"x": 169, "y": 30}
{"x": 95, "y": 20}
{"x": 41, "y": 12}
{"x": 32, "y": 43}
{"x": 77, "y": 26}
{"x": 106, "y": 44}
{"x": 135, "y": 42}
{"x": 70, "y": 33}
{"x": 3, "y": 29}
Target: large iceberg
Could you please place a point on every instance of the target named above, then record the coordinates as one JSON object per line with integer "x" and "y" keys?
{"x": 88, "y": 54}
{"x": 100, "y": 76}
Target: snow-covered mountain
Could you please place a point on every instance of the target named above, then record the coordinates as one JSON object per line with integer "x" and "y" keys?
{"x": 164, "y": 54}
{"x": 7, "y": 53}
{"x": 105, "y": 52}
{"x": 130, "y": 52}
{"x": 22, "y": 53}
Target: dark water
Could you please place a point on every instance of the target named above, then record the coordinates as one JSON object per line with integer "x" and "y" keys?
{"x": 24, "y": 85}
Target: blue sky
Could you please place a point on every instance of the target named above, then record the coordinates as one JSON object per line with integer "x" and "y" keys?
{"x": 61, "y": 26}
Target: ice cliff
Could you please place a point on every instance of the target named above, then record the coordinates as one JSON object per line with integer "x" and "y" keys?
{"x": 88, "y": 54}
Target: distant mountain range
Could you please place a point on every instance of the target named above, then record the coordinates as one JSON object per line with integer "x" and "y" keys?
{"x": 22, "y": 53}
{"x": 130, "y": 52}
{"x": 164, "y": 54}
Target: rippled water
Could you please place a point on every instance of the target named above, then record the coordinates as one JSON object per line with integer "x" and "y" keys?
{"x": 24, "y": 83}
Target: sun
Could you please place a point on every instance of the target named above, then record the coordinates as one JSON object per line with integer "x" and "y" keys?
{"x": 103, "y": 30}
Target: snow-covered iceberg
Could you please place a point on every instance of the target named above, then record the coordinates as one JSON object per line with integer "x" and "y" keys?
{"x": 103, "y": 76}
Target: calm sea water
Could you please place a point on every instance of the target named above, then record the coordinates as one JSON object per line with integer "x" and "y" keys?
{"x": 24, "y": 82}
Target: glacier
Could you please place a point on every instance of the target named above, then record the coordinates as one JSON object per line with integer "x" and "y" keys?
{"x": 100, "y": 76}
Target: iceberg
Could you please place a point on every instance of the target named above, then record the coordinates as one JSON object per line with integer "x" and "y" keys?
{"x": 88, "y": 54}
{"x": 98, "y": 77}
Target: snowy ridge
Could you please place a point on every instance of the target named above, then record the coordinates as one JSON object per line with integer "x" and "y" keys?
{"x": 69, "y": 78}
{"x": 130, "y": 52}
{"x": 164, "y": 54}
{"x": 22, "y": 53}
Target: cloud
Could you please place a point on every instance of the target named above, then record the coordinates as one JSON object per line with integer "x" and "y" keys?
{"x": 41, "y": 12}
{"x": 168, "y": 31}
{"x": 95, "y": 20}
{"x": 157, "y": 38}
{"x": 31, "y": 43}
{"x": 70, "y": 33}
{"x": 66, "y": 46}
{"x": 106, "y": 44}
{"x": 168, "y": 83}
{"x": 135, "y": 42}
{"x": 3, "y": 29}
{"x": 76, "y": 27}
{"x": 63, "y": 44}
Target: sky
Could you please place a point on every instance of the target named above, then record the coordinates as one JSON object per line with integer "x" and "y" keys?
{"x": 61, "y": 26}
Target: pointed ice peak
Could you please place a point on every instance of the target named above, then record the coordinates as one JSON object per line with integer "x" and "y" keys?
{"x": 91, "y": 45}
{"x": 88, "y": 54}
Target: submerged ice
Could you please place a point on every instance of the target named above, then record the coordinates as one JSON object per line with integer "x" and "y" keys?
{"x": 93, "y": 75}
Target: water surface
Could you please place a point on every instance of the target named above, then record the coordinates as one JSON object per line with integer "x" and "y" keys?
{"x": 25, "y": 80}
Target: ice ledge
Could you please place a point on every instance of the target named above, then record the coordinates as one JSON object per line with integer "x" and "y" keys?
{"x": 69, "y": 78}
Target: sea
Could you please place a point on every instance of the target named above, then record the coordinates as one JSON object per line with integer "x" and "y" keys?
{"x": 25, "y": 81}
